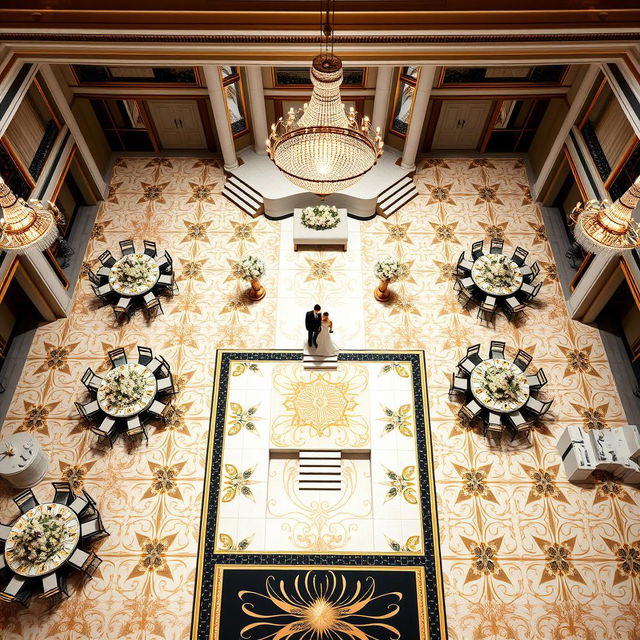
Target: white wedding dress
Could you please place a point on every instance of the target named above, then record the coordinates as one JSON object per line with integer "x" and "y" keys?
{"x": 326, "y": 345}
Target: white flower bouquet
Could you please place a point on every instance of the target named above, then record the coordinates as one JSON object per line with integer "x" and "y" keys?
{"x": 498, "y": 271}
{"x": 252, "y": 268}
{"x": 132, "y": 271}
{"x": 42, "y": 537}
{"x": 320, "y": 218}
{"x": 125, "y": 388}
{"x": 388, "y": 269}
{"x": 502, "y": 384}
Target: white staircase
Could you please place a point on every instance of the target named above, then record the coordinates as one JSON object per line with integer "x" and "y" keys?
{"x": 396, "y": 196}
{"x": 243, "y": 196}
{"x": 319, "y": 363}
{"x": 319, "y": 471}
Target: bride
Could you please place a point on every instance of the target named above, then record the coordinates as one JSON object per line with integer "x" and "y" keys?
{"x": 326, "y": 346}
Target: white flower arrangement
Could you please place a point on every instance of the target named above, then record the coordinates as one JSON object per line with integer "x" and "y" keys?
{"x": 252, "y": 268}
{"x": 388, "y": 269}
{"x": 320, "y": 218}
{"x": 502, "y": 384}
{"x": 125, "y": 388}
{"x": 498, "y": 271}
{"x": 43, "y": 536}
{"x": 132, "y": 271}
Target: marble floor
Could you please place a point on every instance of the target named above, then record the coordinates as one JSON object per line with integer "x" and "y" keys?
{"x": 526, "y": 555}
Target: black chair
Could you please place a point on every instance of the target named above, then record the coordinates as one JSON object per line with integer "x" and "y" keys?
{"x": 165, "y": 262}
{"x": 477, "y": 249}
{"x": 135, "y": 428}
{"x": 464, "y": 266}
{"x": 18, "y": 590}
{"x": 496, "y": 349}
{"x": 123, "y": 309}
{"x": 465, "y": 297}
{"x": 103, "y": 292}
{"x": 5, "y": 530}
{"x": 106, "y": 259}
{"x": 88, "y": 411}
{"x": 62, "y": 492}
{"x": 152, "y": 305}
{"x": 107, "y": 429}
{"x": 93, "y": 529}
{"x": 127, "y": 248}
{"x": 117, "y": 356}
{"x": 150, "y": 248}
{"x": 90, "y": 380}
{"x": 519, "y": 256}
{"x": 85, "y": 562}
{"x": 54, "y": 586}
{"x": 496, "y": 245}
{"x": 493, "y": 424}
{"x": 513, "y": 308}
{"x": 537, "y": 407}
{"x": 522, "y": 360}
{"x": 473, "y": 353}
{"x": 517, "y": 423}
{"x": 26, "y": 500}
{"x": 94, "y": 278}
{"x": 470, "y": 411}
{"x": 537, "y": 381}
{"x": 529, "y": 293}
{"x": 166, "y": 386}
{"x": 534, "y": 270}
{"x": 487, "y": 309}
{"x": 145, "y": 355}
{"x": 459, "y": 385}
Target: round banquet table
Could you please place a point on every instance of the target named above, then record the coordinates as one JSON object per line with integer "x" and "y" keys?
{"x": 485, "y": 398}
{"x": 494, "y": 260}
{"x": 143, "y": 402}
{"x": 138, "y": 288}
{"x": 71, "y": 526}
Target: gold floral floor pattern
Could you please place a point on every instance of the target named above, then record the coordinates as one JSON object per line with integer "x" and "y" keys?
{"x": 150, "y": 497}
{"x": 526, "y": 555}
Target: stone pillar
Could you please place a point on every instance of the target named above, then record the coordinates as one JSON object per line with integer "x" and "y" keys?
{"x": 418, "y": 112}
{"x": 380, "y": 114}
{"x": 219, "y": 107}
{"x": 258, "y": 111}
{"x": 569, "y": 120}
{"x": 72, "y": 123}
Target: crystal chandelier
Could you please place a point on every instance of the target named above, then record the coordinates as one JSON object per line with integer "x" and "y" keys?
{"x": 25, "y": 226}
{"x": 602, "y": 227}
{"x": 320, "y": 147}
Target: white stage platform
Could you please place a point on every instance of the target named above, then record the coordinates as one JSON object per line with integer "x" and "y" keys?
{"x": 260, "y": 184}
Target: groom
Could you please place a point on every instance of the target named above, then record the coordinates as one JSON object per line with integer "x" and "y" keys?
{"x": 313, "y": 324}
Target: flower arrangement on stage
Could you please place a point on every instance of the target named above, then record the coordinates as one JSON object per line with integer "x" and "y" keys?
{"x": 498, "y": 271}
{"x": 320, "y": 218}
{"x": 125, "y": 388}
{"x": 132, "y": 270}
{"x": 252, "y": 268}
{"x": 502, "y": 384}
{"x": 388, "y": 269}
{"x": 42, "y": 537}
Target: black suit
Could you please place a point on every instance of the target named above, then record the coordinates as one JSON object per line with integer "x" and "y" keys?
{"x": 313, "y": 324}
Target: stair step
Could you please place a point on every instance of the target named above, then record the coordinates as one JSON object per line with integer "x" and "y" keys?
{"x": 320, "y": 455}
{"x": 397, "y": 195}
{"x": 329, "y": 470}
{"x": 238, "y": 192}
{"x": 321, "y": 366}
{"x": 320, "y": 477}
{"x": 400, "y": 203}
{"x": 320, "y": 486}
{"x": 394, "y": 188}
{"x": 238, "y": 202}
{"x": 245, "y": 186}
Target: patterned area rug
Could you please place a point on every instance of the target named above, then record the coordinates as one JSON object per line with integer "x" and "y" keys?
{"x": 321, "y": 568}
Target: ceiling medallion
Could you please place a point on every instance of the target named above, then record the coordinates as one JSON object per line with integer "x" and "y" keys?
{"x": 26, "y": 226}
{"x": 321, "y": 148}
{"x": 602, "y": 227}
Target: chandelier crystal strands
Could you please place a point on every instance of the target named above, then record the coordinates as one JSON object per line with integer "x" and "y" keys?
{"x": 321, "y": 148}
{"x": 25, "y": 226}
{"x": 602, "y": 227}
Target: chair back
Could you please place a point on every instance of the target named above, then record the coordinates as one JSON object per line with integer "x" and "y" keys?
{"x": 535, "y": 270}
{"x": 93, "y": 276}
{"x": 25, "y": 500}
{"x": 473, "y": 353}
{"x": 117, "y": 356}
{"x": 476, "y": 249}
{"x": 519, "y": 256}
{"x": 127, "y": 247}
{"x": 106, "y": 258}
{"x": 150, "y": 248}
{"x": 496, "y": 245}
{"x": 496, "y": 349}
{"x": 62, "y": 492}
{"x": 522, "y": 360}
{"x": 145, "y": 355}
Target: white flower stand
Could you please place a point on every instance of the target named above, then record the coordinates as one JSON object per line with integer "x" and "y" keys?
{"x": 336, "y": 237}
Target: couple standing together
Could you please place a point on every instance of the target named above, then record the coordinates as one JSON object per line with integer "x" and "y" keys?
{"x": 319, "y": 327}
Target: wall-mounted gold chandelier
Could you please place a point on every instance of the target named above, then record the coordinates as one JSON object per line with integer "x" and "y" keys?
{"x": 25, "y": 226}
{"x": 604, "y": 227}
{"x": 321, "y": 147}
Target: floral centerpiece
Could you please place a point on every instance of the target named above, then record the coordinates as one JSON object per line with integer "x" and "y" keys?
{"x": 498, "y": 271}
{"x": 132, "y": 271}
{"x": 124, "y": 388}
{"x": 386, "y": 270}
{"x": 41, "y": 538}
{"x": 252, "y": 269}
{"x": 502, "y": 385}
{"x": 320, "y": 218}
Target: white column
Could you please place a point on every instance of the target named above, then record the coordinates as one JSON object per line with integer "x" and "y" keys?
{"x": 258, "y": 111}
{"x": 569, "y": 120}
{"x": 219, "y": 107}
{"x": 71, "y": 122}
{"x": 380, "y": 113}
{"x": 418, "y": 113}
